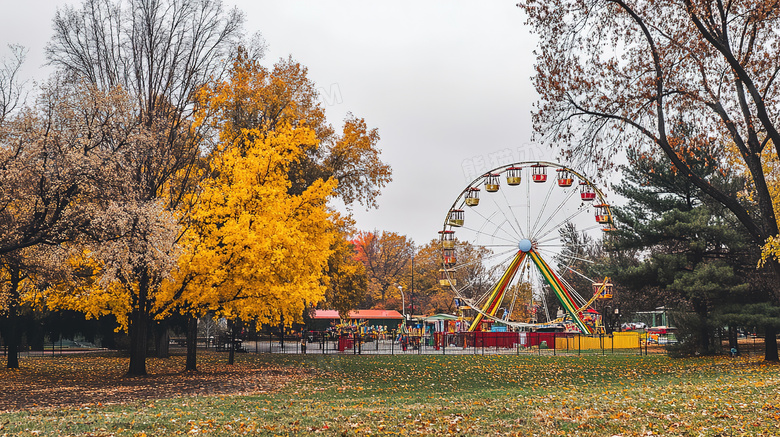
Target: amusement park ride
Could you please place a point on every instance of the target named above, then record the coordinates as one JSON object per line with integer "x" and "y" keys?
{"x": 515, "y": 235}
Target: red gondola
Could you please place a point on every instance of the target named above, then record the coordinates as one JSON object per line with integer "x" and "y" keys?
{"x": 564, "y": 178}
{"x": 603, "y": 214}
{"x": 587, "y": 192}
{"x": 539, "y": 173}
{"x": 448, "y": 255}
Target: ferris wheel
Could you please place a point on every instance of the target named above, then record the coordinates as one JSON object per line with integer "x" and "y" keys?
{"x": 520, "y": 230}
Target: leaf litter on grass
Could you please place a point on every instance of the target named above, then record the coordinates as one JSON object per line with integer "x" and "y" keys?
{"x": 424, "y": 395}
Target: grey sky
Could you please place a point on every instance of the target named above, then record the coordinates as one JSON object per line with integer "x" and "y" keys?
{"x": 446, "y": 82}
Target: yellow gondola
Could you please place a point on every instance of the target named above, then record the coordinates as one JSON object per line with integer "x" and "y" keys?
{"x": 472, "y": 197}
{"x": 492, "y": 183}
{"x": 514, "y": 175}
{"x": 603, "y": 290}
{"x": 447, "y": 239}
{"x": 455, "y": 218}
{"x": 447, "y": 278}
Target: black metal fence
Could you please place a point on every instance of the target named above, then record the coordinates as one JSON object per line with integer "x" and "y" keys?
{"x": 461, "y": 343}
{"x": 472, "y": 343}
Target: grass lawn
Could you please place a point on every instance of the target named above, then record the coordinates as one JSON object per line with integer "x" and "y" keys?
{"x": 361, "y": 395}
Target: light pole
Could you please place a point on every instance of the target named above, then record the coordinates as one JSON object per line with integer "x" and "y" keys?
{"x": 411, "y": 294}
{"x": 403, "y": 300}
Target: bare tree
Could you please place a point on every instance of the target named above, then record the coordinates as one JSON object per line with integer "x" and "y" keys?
{"x": 615, "y": 74}
{"x": 60, "y": 173}
{"x": 162, "y": 52}
{"x": 11, "y": 88}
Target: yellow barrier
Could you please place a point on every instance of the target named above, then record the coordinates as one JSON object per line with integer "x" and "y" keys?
{"x": 619, "y": 340}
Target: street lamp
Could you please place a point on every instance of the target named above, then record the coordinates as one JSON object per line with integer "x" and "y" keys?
{"x": 403, "y": 300}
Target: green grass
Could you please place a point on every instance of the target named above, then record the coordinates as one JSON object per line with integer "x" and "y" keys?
{"x": 464, "y": 395}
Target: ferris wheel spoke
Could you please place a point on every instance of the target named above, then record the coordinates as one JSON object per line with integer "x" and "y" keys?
{"x": 480, "y": 261}
{"x": 590, "y": 228}
{"x": 569, "y": 267}
{"x": 488, "y": 220}
{"x": 576, "y": 296}
{"x": 579, "y": 274}
{"x": 480, "y": 233}
{"x": 518, "y": 234}
{"x": 589, "y": 261}
{"x": 563, "y": 245}
{"x": 532, "y": 232}
{"x": 468, "y": 287}
{"x": 570, "y": 288}
{"x": 514, "y": 216}
{"x": 579, "y": 211}
{"x": 561, "y": 205}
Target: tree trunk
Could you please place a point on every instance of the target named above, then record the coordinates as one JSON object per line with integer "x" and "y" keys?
{"x": 192, "y": 344}
{"x": 733, "y": 339}
{"x": 705, "y": 336}
{"x": 139, "y": 325}
{"x": 13, "y": 340}
{"x": 281, "y": 331}
{"x": 770, "y": 339}
{"x": 770, "y": 343}
{"x": 162, "y": 340}
{"x": 232, "y": 347}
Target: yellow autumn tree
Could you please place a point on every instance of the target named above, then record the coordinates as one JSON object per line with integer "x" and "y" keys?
{"x": 771, "y": 166}
{"x": 259, "y": 236}
{"x": 252, "y": 250}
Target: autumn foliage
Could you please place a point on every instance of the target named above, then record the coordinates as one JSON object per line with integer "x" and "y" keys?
{"x": 141, "y": 203}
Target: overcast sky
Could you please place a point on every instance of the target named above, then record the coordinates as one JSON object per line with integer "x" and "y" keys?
{"x": 446, "y": 82}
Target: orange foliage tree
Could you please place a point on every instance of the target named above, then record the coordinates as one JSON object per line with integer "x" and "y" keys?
{"x": 387, "y": 258}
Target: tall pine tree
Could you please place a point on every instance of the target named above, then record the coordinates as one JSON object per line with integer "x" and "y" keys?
{"x": 694, "y": 254}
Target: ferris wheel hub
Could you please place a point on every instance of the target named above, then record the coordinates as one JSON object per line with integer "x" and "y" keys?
{"x": 525, "y": 245}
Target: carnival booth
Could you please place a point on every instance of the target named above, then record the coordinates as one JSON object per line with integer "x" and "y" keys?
{"x": 440, "y": 326}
